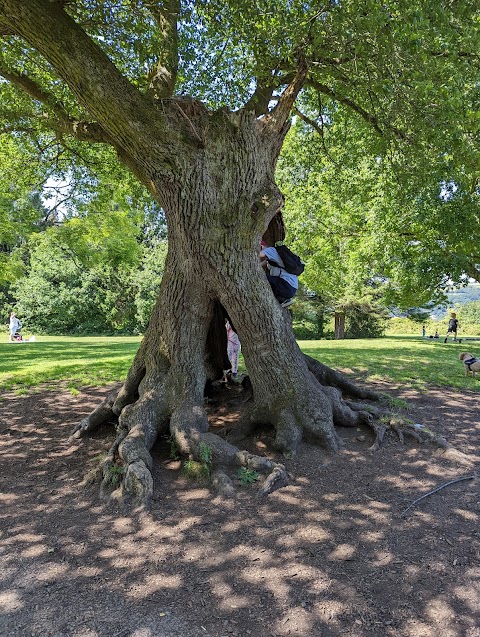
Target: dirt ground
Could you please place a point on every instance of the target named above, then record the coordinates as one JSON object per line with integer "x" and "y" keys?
{"x": 328, "y": 556}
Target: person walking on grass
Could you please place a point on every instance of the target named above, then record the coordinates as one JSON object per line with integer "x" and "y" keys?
{"x": 452, "y": 327}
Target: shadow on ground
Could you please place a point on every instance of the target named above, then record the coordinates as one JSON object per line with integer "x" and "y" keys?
{"x": 328, "y": 556}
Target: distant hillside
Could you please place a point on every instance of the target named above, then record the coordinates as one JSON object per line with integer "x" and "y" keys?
{"x": 458, "y": 297}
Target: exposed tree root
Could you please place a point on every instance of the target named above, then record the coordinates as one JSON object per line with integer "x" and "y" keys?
{"x": 401, "y": 428}
{"x": 380, "y": 430}
{"x": 331, "y": 378}
{"x": 419, "y": 433}
{"x": 147, "y": 407}
{"x": 125, "y": 471}
{"x": 99, "y": 416}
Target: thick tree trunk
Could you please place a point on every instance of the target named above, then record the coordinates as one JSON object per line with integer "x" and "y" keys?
{"x": 217, "y": 212}
{"x": 213, "y": 174}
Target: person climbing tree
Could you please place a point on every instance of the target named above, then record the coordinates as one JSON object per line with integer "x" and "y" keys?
{"x": 283, "y": 283}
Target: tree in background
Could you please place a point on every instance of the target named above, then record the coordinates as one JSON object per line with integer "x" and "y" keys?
{"x": 469, "y": 316}
{"x": 369, "y": 223}
{"x": 90, "y": 274}
{"x": 77, "y": 254}
{"x": 195, "y": 99}
{"x": 22, "y": 211}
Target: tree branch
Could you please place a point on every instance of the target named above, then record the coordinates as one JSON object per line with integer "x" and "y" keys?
{"x": 130, "y": 119}
{"x": 262, "y": 96}
{"x": 371, "y": 119}
{"x": 442, "y": 486}
{"x": 473, "y": 270}
{"x": 163, "y": 75}
{"x": 276, "y": 120}
{"x": 368, "y": 117}
{"x": 318, "y": 128}
{"x": 84, "y": 131}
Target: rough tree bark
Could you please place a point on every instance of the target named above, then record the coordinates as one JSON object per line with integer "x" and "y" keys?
{"x": 217, "y": 212}
{"x": 213, "y": 173}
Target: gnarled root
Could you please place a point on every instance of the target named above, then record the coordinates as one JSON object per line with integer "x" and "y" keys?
{"x": 404, "y": 428}
{"x": 380, "y": 429}
{"x": 116, "y": 400}
{"x": 100, "y": 415}
{"x": 345, "y": 413}
{"x": 330, "y": 378}
{"x": 159, "y": 399}
{"x": 144, "y": 421}
{"x": 221, "y": 456}
{"x": 419, "y": 433}
{"x": 125, "y": 472}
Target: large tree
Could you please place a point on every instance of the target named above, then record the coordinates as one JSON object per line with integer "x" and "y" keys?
{"x": 195, "y": 98}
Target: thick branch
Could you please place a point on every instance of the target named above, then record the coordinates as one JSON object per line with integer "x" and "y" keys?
{"x": 163, "y": 75}
{"x": 63, "y": 123}
{"x": 33, "y": 89}
{"x": 262, "y": 96}
{"x": 277, "y": 119}
{"x": 129, "y": 118}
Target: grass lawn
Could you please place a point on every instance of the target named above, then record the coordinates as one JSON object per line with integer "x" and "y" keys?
{"x": 94, "y": 361}
{"x": 405, "y": 360}
{"x": 80, "y": 361}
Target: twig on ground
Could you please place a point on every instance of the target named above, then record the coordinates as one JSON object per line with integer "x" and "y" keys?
{"x": 442, "y": 486}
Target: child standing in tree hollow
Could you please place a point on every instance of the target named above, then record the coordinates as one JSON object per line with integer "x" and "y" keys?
{"x": 233, "y": 348}
{"x": 452, "y": 327}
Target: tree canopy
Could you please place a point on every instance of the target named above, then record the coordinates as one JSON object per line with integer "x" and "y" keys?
{"x": 407, "y": 69}
{"x": 391, "y": 90}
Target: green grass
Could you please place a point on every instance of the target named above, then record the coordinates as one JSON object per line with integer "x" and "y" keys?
{"x": 96, "y": 361}
{"x": 78, "y": 361}
{"x": 405, "y": 360}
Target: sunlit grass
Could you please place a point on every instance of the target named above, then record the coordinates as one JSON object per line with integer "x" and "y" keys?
{"x": 404, "y": 360}
{"x": 97, "y": 361}
{"x": 78, "y": 361}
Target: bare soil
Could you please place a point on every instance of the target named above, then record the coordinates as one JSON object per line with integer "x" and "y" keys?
{"x": 328, "y": 556}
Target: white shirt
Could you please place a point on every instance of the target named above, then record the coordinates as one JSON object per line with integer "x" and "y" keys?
{"x": 272, "y": 255}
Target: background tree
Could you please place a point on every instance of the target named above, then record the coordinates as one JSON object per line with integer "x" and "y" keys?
{"x": 94, "y": 269}
{"x": 367, "y": 222}
{"x": 90, "y": 274}
{"x": 123, "y": 74}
